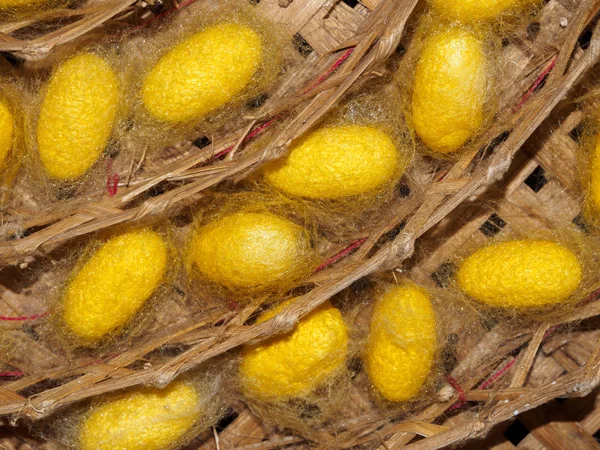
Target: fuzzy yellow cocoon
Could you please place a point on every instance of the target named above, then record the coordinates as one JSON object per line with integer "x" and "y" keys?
{"x": 296, "y": 363}
{"x": 520, "y": 274}
{"x": 402, "y": 342}
{"x": 114, "y": 284}
{"x": 247, "y": 250}
{"x": 337, "y": 162}
{"x": 77, "y": 116}
{"x": 450, "y": 89}
{"x": 202, "y": 73}
{"x": 6, "y": 4}
{"x": 144, "y": 419}
{"x": 594, "y": 188}
{"x": 474, "y": 10}
{"x": 7, "y": 124}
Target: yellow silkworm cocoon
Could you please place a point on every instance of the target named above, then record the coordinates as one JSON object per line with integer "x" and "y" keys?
{"x": 402, "y": 342}
{"x": 450, "y": 89}
{"x": 294, "y": 364}
{"x": 337, "y": 162}
{"x": 202, "y": 73}
{"x": 145, "y": 419}
{"x": 474, "y": 10}
{"x": 246, "y": 250}
{"x": 520, "y": 274}
{"x": 594, "y": 189}
{"x": 6, "y": 4}
{"x": 114, "y": 284}
{"x": 77, "y": 116}
{"x": 7, "y": 124}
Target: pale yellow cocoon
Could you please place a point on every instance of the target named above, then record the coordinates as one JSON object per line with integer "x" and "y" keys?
{"x": 474, "y": 10}
{"x": 202, "y": 73}
{"x": 246, "y": 250}
{"x": 296, "y": 363}
{"x": 114, "y": 284}
{"x": 402, "y": 342}
{"x": 337, "y": 162}
{"x": 450, "y": 89}
{"x": 77, "y": 116}
{"x": 520, "y": 274}
{"x": 143, "y": 419}
{"x": 7, "y": 124}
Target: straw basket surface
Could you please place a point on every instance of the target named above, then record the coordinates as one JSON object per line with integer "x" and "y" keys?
{"x": 520, "y": 174}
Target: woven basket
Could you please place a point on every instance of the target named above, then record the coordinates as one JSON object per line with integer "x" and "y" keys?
{"x": 519, "y": 174}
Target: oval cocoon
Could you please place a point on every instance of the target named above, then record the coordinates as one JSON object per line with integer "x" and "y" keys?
{"x": 337, "y": 162}
{"x": 296, "y": 363}
{"x": 144, "y": 419}
{"x": 202, "y": 73}
{"x": 473, "y": 10}
{"x": 247, "y": 250}
{"x": 450, "y": 89}
{"x": 594, "y": 168}
{"x": 77, "y": 116}
{"x": 114, "y": 284}
{"x": 402, "y": 342}
{"x": 520, "y": 274}
{"x": 7, "y": 124}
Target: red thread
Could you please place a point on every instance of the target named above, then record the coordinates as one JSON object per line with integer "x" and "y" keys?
{"x": 462, "y": 398}
{"x": 112, "y": 179}
{"x": 535, "y": 85}
{"x": 497, "y": 375}
{"x": 329, "y": 71}
{"x": 11, "y": 374}
{"x": 21, "y": 318}
{"x": 249, "y": 136}
{"x": 340, "y": 255}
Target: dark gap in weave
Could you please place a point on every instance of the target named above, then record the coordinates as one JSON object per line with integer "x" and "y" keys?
{"x": 537, "y": 179}
{"x": 516, "y": 432}
{"x": 403, "y": 190}
{"x": 449, "y": 359}
{"x": 533, "y": 29}
{"x": 493, "y": 225}
{"x": 300, "y": 44}
{"x": 351, "y": 3}
{"x": 202, "y": 142}
{"x": 228, "y": 418}
{"x": 257, "y": 101}
{"x": 12, "y": 59}
{"x": 444, "y": 273}
{"x": 355, "y": 367}
{"x": 579, "y": 222}
{"x": 576, "y": 132}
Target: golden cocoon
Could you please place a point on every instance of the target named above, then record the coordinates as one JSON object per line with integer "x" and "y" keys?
{"x": 77, "y": 116}
{"x": 113, "y": 285}
{"x": 7, "y": 125}
{"x": 296, "y": 363}
{"x": 520, "y": 274}
{"x": 402, "y": 342}
{"x": 249, "y": 250}
{"x": 450, "y": 89}
{"x": 142, "y": 419}
{"x": 337, "y": 162}
{"x": 202, "y": 73}
{"x": 593, "y": 195}
{"x": 474, "y": 10}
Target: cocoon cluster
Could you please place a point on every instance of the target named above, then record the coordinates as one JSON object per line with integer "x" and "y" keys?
{"x": 402, "y": 342}
{"x": 296, "y": 363}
